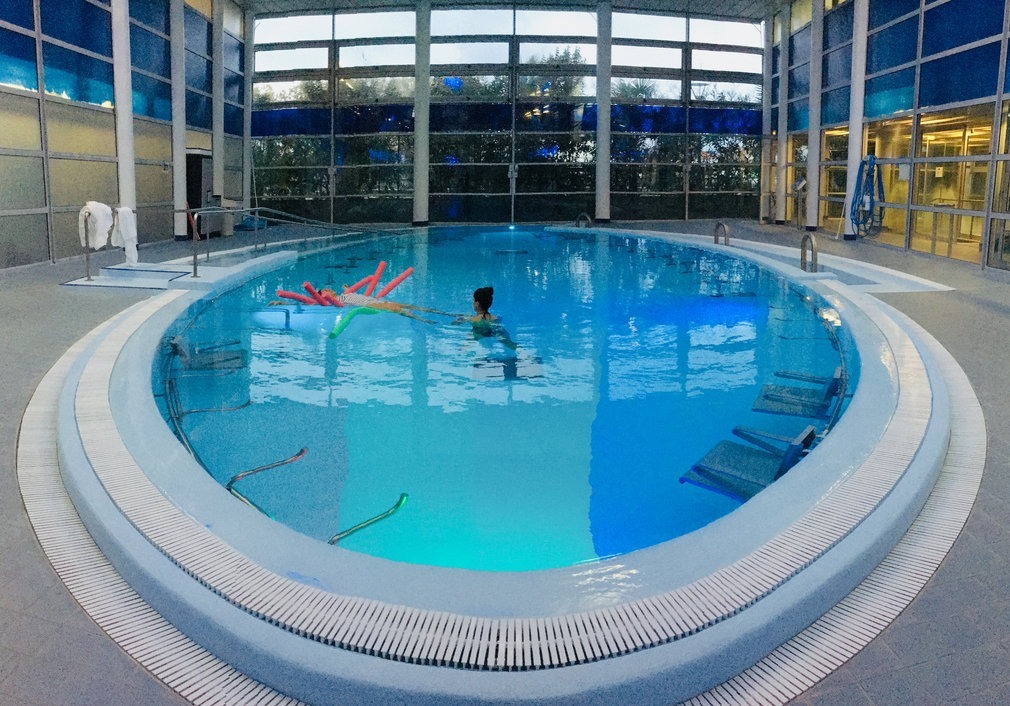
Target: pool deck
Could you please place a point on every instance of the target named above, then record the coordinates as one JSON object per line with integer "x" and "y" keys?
{"x": 949, "y": 646}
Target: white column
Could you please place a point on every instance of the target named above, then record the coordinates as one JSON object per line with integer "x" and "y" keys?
{"x": 217, "y": 96}
{"x": 122, "y": 84}
{"x": 814, "y": 125}
{"x": 860, "y": 26}
{"x": 177, "y": 28}
{"x": 422, "y": 111}
{"x": 781, "y": 171}
{"x": 765, "y": 211}
{"x": 604, "y": 36}
{"x": 247, "y": 152}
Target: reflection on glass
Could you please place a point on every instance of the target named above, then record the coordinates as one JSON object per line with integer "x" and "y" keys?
{"x": 449, "y": 23}
{"x": 470, "y": 87}
{"x": 956, "y": 133}
{"x": 374, "y": 24}
{"x": 634, "y": 90}
{"x": 557, "y": 54}
{"x": 470, "y": 53}
{"x": 284, "y": 59}
{"x": 555, "y": 23}
{"x": 660, "y": 57}
{"x": 723, "y": 91}
{"x": 629, "y": 26}
{"x": 373, "y": 89}
{"x": 268, "y": 92}
{"x": 889, "y": 139}
{"x": 711, "y": 60}
{"x": 376, "y": 55}
{"x": 289, "y": 29}
{"x": 835, "y": 145}
{"x": 959, "y": 185}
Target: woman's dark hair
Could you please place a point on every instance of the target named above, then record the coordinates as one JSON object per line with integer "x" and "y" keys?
{"x": 484, "y": 296}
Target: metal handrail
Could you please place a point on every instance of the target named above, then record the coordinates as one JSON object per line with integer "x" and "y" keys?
{"x": 720, "y": 226}
{"x": 808, "y": 239}
{"x": 371, "y": 521}
{"x": 579, "y": 220}
{"x": 229, "y": 486}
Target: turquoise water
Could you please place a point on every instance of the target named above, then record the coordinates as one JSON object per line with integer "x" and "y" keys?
{"x": 633, "y": 358}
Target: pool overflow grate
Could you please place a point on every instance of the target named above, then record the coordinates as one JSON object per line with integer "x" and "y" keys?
{"x": 393, "y": 632}
{"x": 160, "y": 647}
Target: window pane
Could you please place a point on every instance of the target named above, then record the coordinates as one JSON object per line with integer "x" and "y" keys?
{"x": 470, "y": 53}
{"x": 373, "y": 90}
{"x": 233, "y": 119}
{"x": 292, "y": 182}
{"x": 153, "y": 13}
{"x": 20, "y": 117}
{"x": 284, "y": 59}
{"x": 234, "y": 87}
{"x": 648, "y": 118}
{"x": 893, "y": 46}
{"x": 556, "y": 148}
{"x": 289, "y": 29}
{"x": 18, "y": 12}
{"x": 290, "y": 91}
{"x": 741, "y": 34}
{"x": 198, "y": 36}
{"x": 151, "y": 97}
{"x": 291, "y": 151}
{"x": 976, "y": 72}
{"x": 835, "y": 106}
{"x": 890, "y": 139}
{"x": 198, "y": 110}
{"x": 449, "y": 23}
{"x": 733, "y": 121}
{"x": 883, "y": 11}
{"x": 470, "y": 87}
{"x": 567, "y": 54}
{"x": 17, "y": 61}
{"x": 555, "y": 117}
{"x": 76, "y": 76}
{"x": 557, "y": 86}
{"x": 799, "y": 47}
{"x": 638, "y": 89}
{"x": 150, "y": 52}
{"x": 648, "y": 148}
{"x": 198, "y": 72}
{"x": 553, "y": 23}
{"x": 725, "y": 92}
{"x": 890, "y": 93}
{"x": 374, "y": 149}
{"x": 960, "y": 22}
{"x": 374, "y": 180}
{"x": 373, "y": 119}
{"x": 65, "y": 20}
{"x": 376, "y": 55}
{"x": 478, "y": 147}
{"x": 799, "y": 115}
{"x": 659, "y": 57}
{"x": 956, "y": 133}
{"x": 837, "y": 67}
{"x": 838, "y": 26}
{"x": 629, "y": 26}
{"x": 234, "y": 53}
{"x": 469, "y": 178}
{"x": 647, "y": 177}
{"x": 799, "y": 81}
{"x": 374, "y": 24}
{"x": 471, "y": 117}
{"x": 21, "y": 184}
{"x": 725, "y": 61}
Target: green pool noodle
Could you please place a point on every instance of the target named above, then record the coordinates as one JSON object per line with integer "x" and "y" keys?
{"x": 346, "y": 319}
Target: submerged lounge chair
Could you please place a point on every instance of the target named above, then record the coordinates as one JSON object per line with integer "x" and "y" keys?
{"x": 741, "y": 471}
{"x": 799, "y": 401}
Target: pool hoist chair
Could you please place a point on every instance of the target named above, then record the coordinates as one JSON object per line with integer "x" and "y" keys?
{"x": 801, "y": 401}
{"x": 741, "y": 471}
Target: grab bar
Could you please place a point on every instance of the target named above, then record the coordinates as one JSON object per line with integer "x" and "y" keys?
{"x": 583, "y": 217}
{"x": 362, "y": 525}
{"x": 808, "y": 239}
{"x": 720, "y": 226}
{"x": 245, "y": 474}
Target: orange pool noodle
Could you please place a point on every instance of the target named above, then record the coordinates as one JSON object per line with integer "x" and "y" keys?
{"x": 375, "y": 278}
{"x": 314, "y": 293}
{"x": 358, "y": 285}
{"x": 297, "y": 297}
{"x": 395, "y": 281}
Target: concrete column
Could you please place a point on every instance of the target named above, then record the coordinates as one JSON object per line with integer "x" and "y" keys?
{"x": 247, "y": 151}
{"x": 177, "y": 29}
{"x": 857, "y": 93}
{"x": 217, "y": 96}
{"x": 814, "y": 127}
{"x": 122, "y": 84}
{"x": 604, "y": 36}
{"x": 782, "y": 172}
{"x": 422, "y": 111}
{"x": 765, "y": 210}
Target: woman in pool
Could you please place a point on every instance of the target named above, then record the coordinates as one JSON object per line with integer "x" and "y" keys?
{"x": 482, "y": 299}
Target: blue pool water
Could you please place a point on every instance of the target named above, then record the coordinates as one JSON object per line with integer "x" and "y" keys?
{"x": 634, "y": 357}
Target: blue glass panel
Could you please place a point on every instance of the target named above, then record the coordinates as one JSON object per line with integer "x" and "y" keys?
{"x": 960, "y": 22}
{"x": 976, "y": 71}
{"x": 77, "y": 76}
{"x": 724, "y": 121}
{"x": 774, "y": 127}
{"x": 479, "y": 117}
{"x": 799, "y": 81}
{"x": 150, "y": 52}
{"x": 198, "y": 111}
{"x": 18, "y": 12}
{"x": 65, "y": 21}
{"x": 233, "y": 119}
{"x": 838, "y": 26}
{"x": 835, "y": 106}
{"x": 776, "y": 52}
{"x": 837, "y": 67}
{"x": 198, "y": 37}
{"x": 889, "y": 93}
{"x": 799, "y": 47}
{"x": 198, "y": 73}
{"x": 153, "y": 13}
{"x": 234, "y": 53}
{"x": 893, "y": 46}
{"x": 17, "y": 61}
{"x": 799, "y": 115}
{"x": 151, "y": 97}
{"x": 364, "y": 119}
{"x": 648, "y": 118}
{"x": 555, "y": 117}
{"x": 883, "y": 11}
{"x": 775, "y": 90}
{"x": 291, "y": 121}
{"x": 234, "y": 87}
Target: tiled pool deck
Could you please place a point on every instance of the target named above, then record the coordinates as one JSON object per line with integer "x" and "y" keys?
{"x": 948, "y": 646}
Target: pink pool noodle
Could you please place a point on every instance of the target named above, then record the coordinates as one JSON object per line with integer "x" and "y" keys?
{"x": 375, "y": 278}
{"x": 297, "y": 297}
{"x": 395, "y": 281}
{"x": 358, "y": 285}
{"x": 319, "y": 298}
{"x": 331, "y": 298}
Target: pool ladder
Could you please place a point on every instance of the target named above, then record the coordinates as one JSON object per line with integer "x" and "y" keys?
{"x": 584, "y": 218}
{"x": 721, "y": 227}
{"x": 230, "y": 485}
{"x": 808, "y": 242}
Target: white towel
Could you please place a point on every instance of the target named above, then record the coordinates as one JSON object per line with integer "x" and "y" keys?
{"x": 124, "y": 233}
{"x": 94, "y": 223}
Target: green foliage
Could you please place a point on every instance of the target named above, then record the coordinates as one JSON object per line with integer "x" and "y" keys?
{"x": 552, "y": 77}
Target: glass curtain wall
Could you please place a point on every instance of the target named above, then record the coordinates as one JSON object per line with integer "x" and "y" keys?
{"x": 513, "y": 116}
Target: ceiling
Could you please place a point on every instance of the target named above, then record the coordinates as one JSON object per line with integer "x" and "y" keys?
{"x": 754, "y": 10}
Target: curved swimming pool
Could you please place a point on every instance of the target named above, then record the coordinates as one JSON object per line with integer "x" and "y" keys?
{"x": 558, "y": 437}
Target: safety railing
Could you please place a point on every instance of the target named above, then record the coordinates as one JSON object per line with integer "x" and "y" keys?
{"x": 808, "y": 242}
{"x": 370, "y": 521}
{"x": 230, "y": 485}
{"x": 583, "y": 220}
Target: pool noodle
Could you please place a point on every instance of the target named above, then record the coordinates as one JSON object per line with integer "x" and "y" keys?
{"x": 297, "y": 297}
{"x": 319, "y": 298}
{"x": 395, "y": 281}
{"x": 355, "y": 287}
{"x": 375, "y": 278}
{"x": 346, "y": 319}
{"x": 331, "y": 298}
